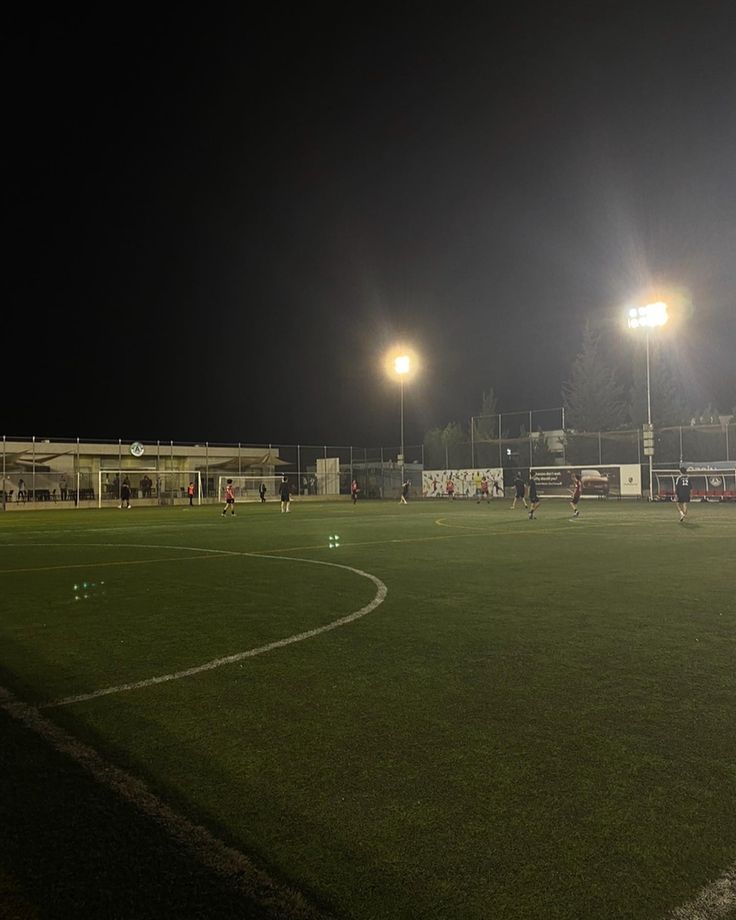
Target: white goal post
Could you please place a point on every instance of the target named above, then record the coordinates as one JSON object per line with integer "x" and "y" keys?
{"x": 247, "y": 488}
{"x": 160, "y": 487}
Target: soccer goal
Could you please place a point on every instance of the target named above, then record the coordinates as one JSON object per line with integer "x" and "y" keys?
{"x": 247, "y": 488}
{"x": 152, "y": 486}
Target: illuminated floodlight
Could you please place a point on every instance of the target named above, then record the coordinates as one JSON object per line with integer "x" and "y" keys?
{"x": 402, "y": 364}
{"x": 653, "y": 314}
{"x": 646, "y": 318}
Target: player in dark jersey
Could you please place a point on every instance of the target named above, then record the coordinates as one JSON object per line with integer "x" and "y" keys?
{"x": 577, "y": 488}
{"x": 285, "y": 494}
{"x": 354, "y": 490}
{"x": 520, "y": 487}
{"x": 533, "y": 496}
{"x": 404, "y": 492}
{"x": 682, "y": 493}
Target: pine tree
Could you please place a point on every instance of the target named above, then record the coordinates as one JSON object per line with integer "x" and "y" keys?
{"x": 669, "y": 406}
{"x": 486, "y": 422}
{"x": 592, "y": 397}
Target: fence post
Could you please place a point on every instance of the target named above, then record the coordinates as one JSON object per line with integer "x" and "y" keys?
{"x": 600, "y": 450}
{"x": 298, "y": 467}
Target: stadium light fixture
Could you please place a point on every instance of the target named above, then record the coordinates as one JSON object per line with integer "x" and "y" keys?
{"x": 402, "y": 363}
{"x": 402, "y": 366}
{"x": 648, "y": 317}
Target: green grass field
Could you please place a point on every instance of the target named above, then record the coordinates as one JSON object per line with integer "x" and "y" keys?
{"x": 536, "y": 721}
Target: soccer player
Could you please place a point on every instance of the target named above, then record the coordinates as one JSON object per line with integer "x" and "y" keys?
{"x": 483, "y": 494}
{"x": 520, "y": 488}
{"x": 354, "y": 490}
{"x": 262, "y": 491}
{"x": 682, "y": 493}
{"x": 450, "y": 488}
{"x": 125, "y": 494}
{"x": 404, "y": 492}
{"x": 285, "y": 495}
{"x": 577, "y": 488}
{"x": 533, "y": 496}
{"x": 190, "y": 493}
{"x": 229, "y": 498}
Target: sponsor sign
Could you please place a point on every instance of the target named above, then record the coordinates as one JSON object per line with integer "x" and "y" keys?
{"x": 597, "y": 481}
{"x": 465, "y": 483}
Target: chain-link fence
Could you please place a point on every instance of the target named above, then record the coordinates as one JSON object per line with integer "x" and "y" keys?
{"x": 42, "y": 472}
{"x": 47, "y": 472}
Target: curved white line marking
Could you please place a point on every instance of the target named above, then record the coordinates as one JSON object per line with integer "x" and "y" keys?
{"x": 379, "y": 598}
{"x": 714, "y": 902}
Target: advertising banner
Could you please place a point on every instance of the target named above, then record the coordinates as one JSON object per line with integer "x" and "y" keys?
{"x": 462, "y": 483}
{"x": 599, "y": 481}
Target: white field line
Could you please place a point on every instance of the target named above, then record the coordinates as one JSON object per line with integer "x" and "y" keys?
{"x": 715, "y": 902}
{"x": 378, "y": 598}
{"x": 227, "y": 862}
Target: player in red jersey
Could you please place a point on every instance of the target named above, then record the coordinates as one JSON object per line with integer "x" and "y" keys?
{"x": 229, "y": 498}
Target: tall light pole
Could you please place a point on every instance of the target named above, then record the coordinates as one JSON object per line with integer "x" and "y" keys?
{"x": 647, "y": 318}
{"x": 402, "y": 366}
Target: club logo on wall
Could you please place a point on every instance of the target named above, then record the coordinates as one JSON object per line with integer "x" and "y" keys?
{"x": 137, "y": 449}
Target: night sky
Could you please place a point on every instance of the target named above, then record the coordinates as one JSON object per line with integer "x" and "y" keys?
{"x": 218, "y": 225}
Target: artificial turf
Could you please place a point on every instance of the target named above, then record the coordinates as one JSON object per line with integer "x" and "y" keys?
{"x": 535, "y": 722}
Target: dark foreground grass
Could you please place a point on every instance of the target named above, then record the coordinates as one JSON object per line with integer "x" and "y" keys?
{"x": 536, "y": 722}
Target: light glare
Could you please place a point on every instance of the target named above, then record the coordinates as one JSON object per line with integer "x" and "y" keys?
{"x": 402, "y": 364}
{"x": 653, "y": 314}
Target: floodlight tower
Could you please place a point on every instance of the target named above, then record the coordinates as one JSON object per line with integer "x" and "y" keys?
{"x": 649, "y": 317}
{"x": 402, "y": 366}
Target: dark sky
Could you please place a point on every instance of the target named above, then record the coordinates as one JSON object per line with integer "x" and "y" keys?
{"x": 218, "y": 225}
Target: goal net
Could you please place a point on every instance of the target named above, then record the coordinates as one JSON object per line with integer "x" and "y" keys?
{"x": 247, "y": 488}
{"x": 150, "y": 486}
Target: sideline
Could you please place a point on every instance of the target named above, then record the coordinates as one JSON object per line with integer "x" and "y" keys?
{"x": 228, "y": 863}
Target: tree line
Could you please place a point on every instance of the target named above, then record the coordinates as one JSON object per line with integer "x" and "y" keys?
{"x": 595, "y": 400}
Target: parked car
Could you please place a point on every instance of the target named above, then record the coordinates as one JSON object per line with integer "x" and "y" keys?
{"x": 594, "y": 482}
